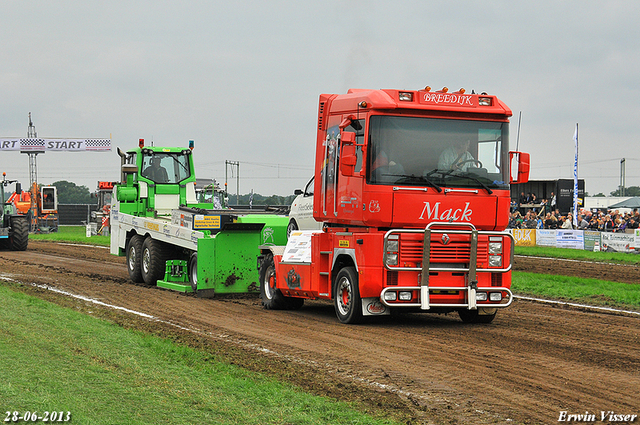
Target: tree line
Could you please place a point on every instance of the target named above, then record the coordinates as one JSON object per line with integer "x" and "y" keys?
{"x": 70, "y": 193}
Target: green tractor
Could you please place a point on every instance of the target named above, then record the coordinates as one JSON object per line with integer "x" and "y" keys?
{"x": 14, "y": 228}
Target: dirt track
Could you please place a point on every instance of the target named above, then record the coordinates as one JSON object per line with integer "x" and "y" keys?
{"x": 531, "y": 363}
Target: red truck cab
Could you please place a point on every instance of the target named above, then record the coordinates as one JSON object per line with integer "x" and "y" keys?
{"x": 413, "y": 188}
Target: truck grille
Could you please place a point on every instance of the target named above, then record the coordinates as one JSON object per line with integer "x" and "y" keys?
{"x": 456, "y": 251}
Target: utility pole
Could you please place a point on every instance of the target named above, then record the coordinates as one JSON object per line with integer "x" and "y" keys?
{"x": 232, "y": 164}
{"x": 33, "y": 177}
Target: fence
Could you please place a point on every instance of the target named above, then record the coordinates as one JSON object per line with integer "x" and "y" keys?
{"x": 589, "y": 240}
{"x": 75, "y": 214}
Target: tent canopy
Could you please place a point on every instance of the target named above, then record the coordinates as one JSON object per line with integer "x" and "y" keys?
{"x": 633, "y": 202}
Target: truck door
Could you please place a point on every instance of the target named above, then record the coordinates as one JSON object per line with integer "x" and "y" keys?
{"x": 341, "y": 194}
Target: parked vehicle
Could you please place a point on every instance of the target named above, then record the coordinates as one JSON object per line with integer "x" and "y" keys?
{"x": 301, "y": 214}
{"x": 14, "y": 227}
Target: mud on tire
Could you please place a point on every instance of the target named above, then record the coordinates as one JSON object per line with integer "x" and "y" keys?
{"x": 272, "y": 298}
{"x": 134, "y": 258}
{"x": 153, "y": 261}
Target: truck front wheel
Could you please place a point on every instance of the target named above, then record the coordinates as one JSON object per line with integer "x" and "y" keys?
{"x": 154, "y": 257}
{"x": 346, "y": 299}
{"x": 134, "y": 252}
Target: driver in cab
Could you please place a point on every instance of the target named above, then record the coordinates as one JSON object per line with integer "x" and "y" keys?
{"x": 156, "y": 172}
{"x": 457, "y": 157}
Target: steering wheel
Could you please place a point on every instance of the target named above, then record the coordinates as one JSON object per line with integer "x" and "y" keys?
{"x": 475, "y": 161}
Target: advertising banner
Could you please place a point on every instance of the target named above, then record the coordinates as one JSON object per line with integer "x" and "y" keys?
{"x": 524, "y": 237}
{"x": 569, "y": 239}
{"x": 617, "y": 242}
{"x": 590, "y": 239}
{"x": 546, "y": 237}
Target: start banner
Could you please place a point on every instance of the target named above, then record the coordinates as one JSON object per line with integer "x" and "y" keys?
{"x": 43, "y": 145}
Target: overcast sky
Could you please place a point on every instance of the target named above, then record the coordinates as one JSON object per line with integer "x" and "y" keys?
{"x": 242, "y": 78}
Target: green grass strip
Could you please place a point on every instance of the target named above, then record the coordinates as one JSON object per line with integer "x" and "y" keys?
{"x": 57, "y": 359}
{"x": 580, "y": 290}
{"x": 76, "y": 234}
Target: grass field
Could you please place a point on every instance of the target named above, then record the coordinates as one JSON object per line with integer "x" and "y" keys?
{"x": 55, "y": 359}
{"x": 583, "y": 291}
{"x": 75, "y": 234}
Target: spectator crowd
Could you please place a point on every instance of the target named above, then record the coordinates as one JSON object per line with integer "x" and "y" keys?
{"x": 529, "y": 214}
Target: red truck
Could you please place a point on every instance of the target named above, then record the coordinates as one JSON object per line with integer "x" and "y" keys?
{"x": 413, "y": 191}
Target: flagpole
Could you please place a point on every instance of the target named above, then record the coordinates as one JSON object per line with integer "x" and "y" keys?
{"x": 575, "y": 180}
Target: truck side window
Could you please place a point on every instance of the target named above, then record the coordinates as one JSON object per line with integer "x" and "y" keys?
{"x": 357, "y": 127}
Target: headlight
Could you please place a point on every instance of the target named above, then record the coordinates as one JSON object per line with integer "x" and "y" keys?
{"x": 392, "y": 246}
{"x": 495, "y": 248}
{"x": 390, "y": 296}
{"x": 481, "y": 296}
{"x": 405, "y": 296}
{"x": 392, "y": 259}
{"x": 495, "y": 261}
{"x": 495, "y": 296}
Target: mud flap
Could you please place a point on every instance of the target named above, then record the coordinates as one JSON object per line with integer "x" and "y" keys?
{"x": 373, "y": 307}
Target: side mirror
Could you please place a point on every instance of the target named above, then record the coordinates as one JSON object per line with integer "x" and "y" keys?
{"x": 520, "y": 166}
{"x": 347, "y": 153}
{"x": 297, "y": 192}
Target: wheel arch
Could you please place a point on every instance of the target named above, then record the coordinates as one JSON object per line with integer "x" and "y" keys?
{"x": 341, "y": 259}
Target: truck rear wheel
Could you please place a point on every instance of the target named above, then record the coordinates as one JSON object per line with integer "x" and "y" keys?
{"x": 134, "y": 254}
{"x": 272, "y": 298}
{"x": 154, "y": 258}
{"x": 19, "y": 236}
{"x": 473, "y": 316}
{"x": 193, "y": 271}
{"x": 346, "y": 299}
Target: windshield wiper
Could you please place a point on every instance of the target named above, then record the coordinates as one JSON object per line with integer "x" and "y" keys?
{"x": 422, "y": 179}
{"x": 477, "y": 180}
{"x": 458, "y": 173}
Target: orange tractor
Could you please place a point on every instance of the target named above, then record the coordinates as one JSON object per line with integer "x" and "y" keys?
{"x": 41, "y": 210}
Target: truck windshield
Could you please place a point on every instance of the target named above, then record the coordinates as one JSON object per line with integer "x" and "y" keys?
{"x": 165, "y": 167}
{"x": 438, "y": 152}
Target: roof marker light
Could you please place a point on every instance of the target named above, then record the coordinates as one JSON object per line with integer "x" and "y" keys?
{"x": 461, "y": 91}
{"x": 141, "y": 143}
{"x": 428, "y": 88}
{"x": 191, "y": 144}
{"x": 362, "y": 104}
